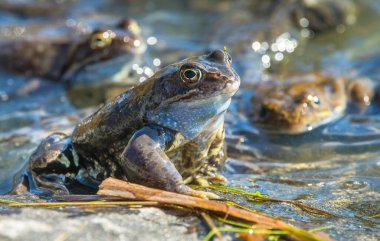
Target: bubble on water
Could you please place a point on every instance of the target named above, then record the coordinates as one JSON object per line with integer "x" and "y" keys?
{"x": 256, "y": 46}
{"x": 156, "y": 62}
{"x": 279, "y": 56}
{"x": 274, "y": 47}
{"x": 265, "y": 59}
{"x": 148, "y": 71}
{"x": 142, "y": 79}
{"x": 281, "y": 46}
{"x": 112, "y": 34}
{"x": 306, "y": 33}
{"x": 137, "y": 43}
{"x": 135, "y": 66}
{"x": 266, "y": 65}
{"x": 106, "y": 34}
{"x": 139, "y": 70}
{"x": 264, "y": 46}
{"x": 289, "y": 49}
{"x": 304, "y": 22}
{"x": 151, "y": 40}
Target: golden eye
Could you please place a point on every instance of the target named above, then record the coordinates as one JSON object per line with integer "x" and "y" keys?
{"x": 190, "y": 75}
{"x": 313, "y": 100}
{"x": 100, "y": 40}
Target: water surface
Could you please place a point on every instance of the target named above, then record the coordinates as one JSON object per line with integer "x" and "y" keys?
{"x": 335, "y": 168}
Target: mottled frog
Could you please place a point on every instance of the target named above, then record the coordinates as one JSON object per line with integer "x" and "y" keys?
{"x": 100, "y": 57}
{"x": 301, "y": 103}
{"x": 165, "y": 133}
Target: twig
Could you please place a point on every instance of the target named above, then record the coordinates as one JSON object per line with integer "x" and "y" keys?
{"x": 118, "y": 188}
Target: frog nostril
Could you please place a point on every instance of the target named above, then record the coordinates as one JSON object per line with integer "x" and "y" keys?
{"x": 129, "y": 24}
{"x": 217, "y": 56}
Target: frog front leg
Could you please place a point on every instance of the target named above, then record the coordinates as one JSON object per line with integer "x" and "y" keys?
{"x": 145, "y": 162}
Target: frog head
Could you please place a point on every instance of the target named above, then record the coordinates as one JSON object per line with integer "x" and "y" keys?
{"x": 104, "y": 56}
{"x": 191, "y": 96}
{"x": 299, "y": 104}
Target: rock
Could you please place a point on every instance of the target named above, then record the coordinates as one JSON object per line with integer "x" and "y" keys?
{"x": 105, "y": 224}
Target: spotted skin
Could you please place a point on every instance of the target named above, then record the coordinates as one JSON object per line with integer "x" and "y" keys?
{"x": 72, "y": 59}
{"x": 165, "y": 133}
{"x": 302, "y": 103}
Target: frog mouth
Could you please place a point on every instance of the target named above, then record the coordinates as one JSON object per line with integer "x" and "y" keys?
{"x": 282, "y": 123}
{"x": 231, "y": 87}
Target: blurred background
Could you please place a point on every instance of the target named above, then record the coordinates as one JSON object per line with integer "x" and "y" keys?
{"x": 58, "y": 64}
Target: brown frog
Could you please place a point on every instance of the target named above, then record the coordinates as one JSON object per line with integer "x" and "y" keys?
{"x": 165, "y": 133}
{"x": 101, "y": 57}
{"x": 302, "y": 103}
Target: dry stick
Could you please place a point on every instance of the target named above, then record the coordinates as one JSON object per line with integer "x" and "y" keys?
{"x": 118, "y": 188}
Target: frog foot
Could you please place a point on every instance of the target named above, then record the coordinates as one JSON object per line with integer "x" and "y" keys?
{"x": 213, "y": 179}
{"x": 52, "y": 183}
{"x": 183, "y": 189}
{"x": 218, "y": 179}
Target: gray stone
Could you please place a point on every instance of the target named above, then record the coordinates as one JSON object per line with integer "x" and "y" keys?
{"x": 147, "y": 223}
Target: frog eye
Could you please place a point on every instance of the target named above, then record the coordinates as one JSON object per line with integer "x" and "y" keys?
{"x": 100, "y": 40}
{"x": 190, "y": 75}
{"x": 313, "y": 100}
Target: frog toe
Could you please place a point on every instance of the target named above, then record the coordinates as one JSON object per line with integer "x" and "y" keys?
{"x": 218, "y": 179}
{"x": 183, "y": 189}
{"x": 52, "y": 183}
{"x": 201, "y": 181}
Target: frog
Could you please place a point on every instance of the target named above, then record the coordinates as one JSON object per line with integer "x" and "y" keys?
{"x": 35, "y": 8}
{"x": 324, "y": 15}
{"x": 301, "y": 103}
{"x": 165, "y": 133}
{"x": 97, "y": 58}
{"x": 318, "y": 16}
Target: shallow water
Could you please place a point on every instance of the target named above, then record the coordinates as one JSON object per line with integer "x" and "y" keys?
{"x": 335, "y": 168}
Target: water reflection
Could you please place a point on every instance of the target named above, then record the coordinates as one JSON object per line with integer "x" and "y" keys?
{"x": 335, "y": 167}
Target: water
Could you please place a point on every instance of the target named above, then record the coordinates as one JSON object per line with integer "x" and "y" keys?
{"x": 335, "y": 168}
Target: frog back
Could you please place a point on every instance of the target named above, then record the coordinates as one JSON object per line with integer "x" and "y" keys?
{"x": 113, "y": 124}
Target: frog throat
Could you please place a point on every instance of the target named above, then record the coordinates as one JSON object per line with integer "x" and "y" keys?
{"x": 191, "y": 118}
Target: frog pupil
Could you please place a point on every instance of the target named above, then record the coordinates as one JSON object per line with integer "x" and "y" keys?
{"x": 190, "y": 74}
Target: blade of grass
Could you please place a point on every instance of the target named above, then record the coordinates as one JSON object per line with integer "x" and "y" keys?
{"x": 257, "y": 196}
{"x": 211, "y": 224}
{"x": 321, "y": 228}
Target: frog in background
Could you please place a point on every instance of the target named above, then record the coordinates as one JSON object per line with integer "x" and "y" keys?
{"x": 301, "y": 103}
{"x": 103, "y": 56}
